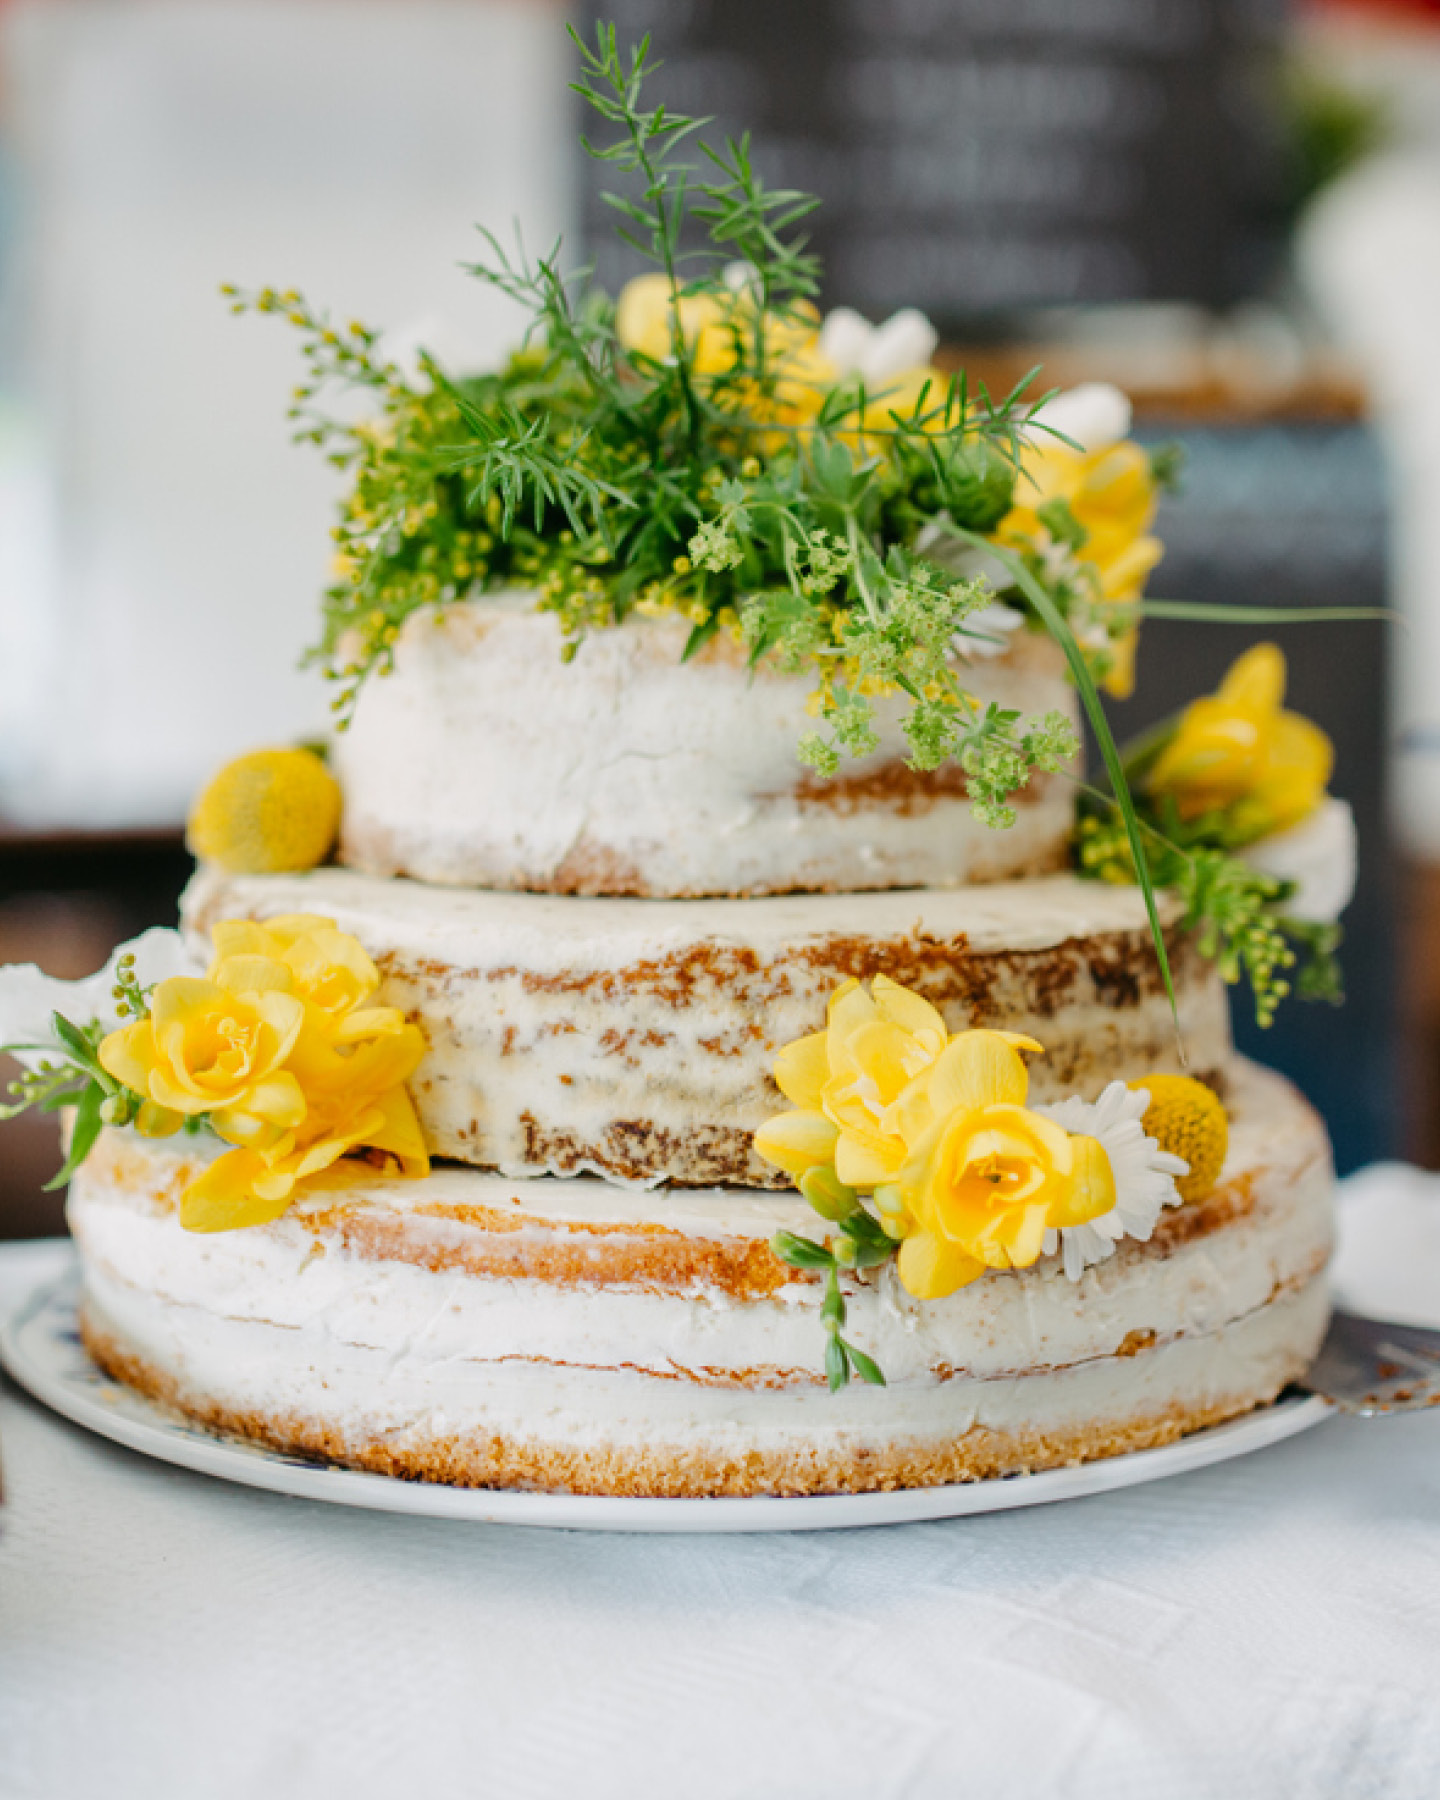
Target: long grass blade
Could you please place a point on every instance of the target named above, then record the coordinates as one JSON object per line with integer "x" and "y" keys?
{"x": 1221, "y": 613}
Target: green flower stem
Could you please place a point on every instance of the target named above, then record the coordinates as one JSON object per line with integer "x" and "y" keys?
{"x": 853, "y": 1249}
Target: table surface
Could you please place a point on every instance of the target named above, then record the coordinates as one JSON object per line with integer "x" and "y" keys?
{"x": 1270, "y": 1626}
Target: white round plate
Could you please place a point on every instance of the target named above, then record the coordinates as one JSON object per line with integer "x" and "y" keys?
{"x": 40, "y": 1347}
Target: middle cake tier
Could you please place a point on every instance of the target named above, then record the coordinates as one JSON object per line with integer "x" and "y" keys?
{"x": 635, "y": 1038}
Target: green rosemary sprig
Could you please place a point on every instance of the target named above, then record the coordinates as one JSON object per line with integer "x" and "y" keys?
{"x": 688, "y": 472}
{"x": 612, "y": 478}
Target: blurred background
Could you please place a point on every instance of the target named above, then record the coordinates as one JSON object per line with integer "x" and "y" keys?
{"x": 1230, "y": 207}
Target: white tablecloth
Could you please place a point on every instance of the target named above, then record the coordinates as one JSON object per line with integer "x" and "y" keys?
{"x": 1267, "y": 1627}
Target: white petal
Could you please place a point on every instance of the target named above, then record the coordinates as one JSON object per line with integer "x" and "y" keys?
{"x": 906, "y": 340}
{"x": 844, "y": 339}
{"x": 987, "y": 632}
{"x": 1093, "y": 415}
{"x": 1320, "y": 854}
{"x": 28, "y": 996}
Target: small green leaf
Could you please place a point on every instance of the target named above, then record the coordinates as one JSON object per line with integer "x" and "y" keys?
{"x": 865, "y": 1367}
{"x": 801, "y": 1253}
{"x": 837, "y": 1365}
{"x": 700, "y": 637}
{"x": 82, "y": 1138}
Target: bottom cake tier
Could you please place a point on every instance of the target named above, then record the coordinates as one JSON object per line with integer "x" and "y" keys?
{"x": 579, "y": 1336}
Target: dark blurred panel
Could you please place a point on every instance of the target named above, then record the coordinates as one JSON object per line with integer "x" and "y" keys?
{"x": 978, "y": 157}
{"x": 66, "y": 900}
{"x": 1295, "y": 515}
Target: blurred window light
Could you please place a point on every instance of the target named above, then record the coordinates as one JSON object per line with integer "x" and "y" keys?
{"x": 162, "y": 547}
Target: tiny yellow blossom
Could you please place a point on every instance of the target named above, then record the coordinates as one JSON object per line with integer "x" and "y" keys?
{"x": 1240, "y": 752}
{"x": 988, "y": 1178}
{"x": 267, "y": 812}
{"x": 1186, "y": 1119}
{"x": 1111, "y": 494}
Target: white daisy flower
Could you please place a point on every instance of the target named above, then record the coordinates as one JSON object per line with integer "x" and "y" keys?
{"x": 1144, "y": 1174}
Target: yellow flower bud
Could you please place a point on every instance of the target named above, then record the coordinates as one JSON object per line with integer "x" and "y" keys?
{"x": 1237, "y": 750}
{"x": 1186, "y": 1119}
{"x": 269, "y": 811}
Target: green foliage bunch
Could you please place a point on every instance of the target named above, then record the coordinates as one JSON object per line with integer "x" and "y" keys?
{"x": 1237, "y": 913}
{"x": 711, "y": 480}
{"x": 707, "y": 469}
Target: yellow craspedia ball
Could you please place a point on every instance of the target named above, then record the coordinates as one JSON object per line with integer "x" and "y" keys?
{"x": 267, "y": 812}
{"x": 1186, "y": 1118}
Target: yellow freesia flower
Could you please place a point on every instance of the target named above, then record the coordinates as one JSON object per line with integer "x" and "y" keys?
{"x": 208, "y": 1049}
{"x": 1240, "y": 752}
{"x": 329, "y": 968}
{"x": 280, "y": 1052}
{"x": 1111, "y": 493}
{"x": 846, "y": 1080}
{"x": 252, "y": 1187}
{"x": 988, "y": 1178}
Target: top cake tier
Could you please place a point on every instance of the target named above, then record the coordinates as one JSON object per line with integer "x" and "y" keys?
{"x": 483, "y": 761}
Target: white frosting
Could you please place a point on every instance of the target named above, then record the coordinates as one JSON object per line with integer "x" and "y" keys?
{"x": 364, "y": 1391}
{"x": 637, "y": 1036}
{"x": 484, "y": 761}
{"x": 294, "y": 1277}
{"x": 283, "y": 1319}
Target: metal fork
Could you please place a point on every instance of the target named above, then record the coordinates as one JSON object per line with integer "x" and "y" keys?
{"x": 1366, "y": 1366}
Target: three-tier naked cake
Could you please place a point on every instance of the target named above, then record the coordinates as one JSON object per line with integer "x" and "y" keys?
{"x": 559, "y": 1082}
{"x": 584, "y": 1296}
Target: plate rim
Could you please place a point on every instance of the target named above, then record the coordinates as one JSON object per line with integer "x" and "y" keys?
{"x": 152, "y": 1430}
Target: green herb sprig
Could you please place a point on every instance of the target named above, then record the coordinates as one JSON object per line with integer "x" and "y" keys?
{"x": 616, "y": 480}
{"x": 842, "y": 1358}
{"x": 1237, "y": 914}
{"x": 696, "y": 475}
{"x": 860, "y": 1242}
